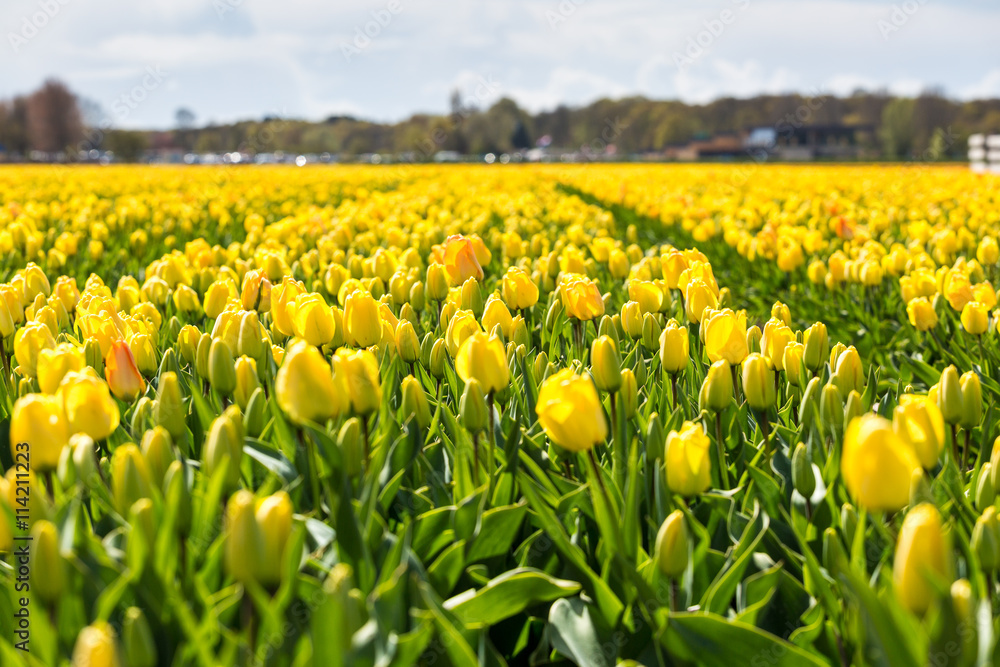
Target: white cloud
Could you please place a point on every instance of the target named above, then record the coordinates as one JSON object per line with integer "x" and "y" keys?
{"x": 265, "y": 56}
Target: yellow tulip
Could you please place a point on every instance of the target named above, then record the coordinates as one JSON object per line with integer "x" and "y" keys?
{"x": 53, "y": 364}
{"x": 570, "y": 411}
{"x": 357, "y": 371}
{"x": 496, "y": 314}
{"x": 581, "y": 298}
{"x": 88, "y": 405}
{"x": 877, "y": 464}
{"x": 362, "y": 320}
{"x": 921, "y": 314}
{"x": 697, "y": 297}
{"x": 282, "y": 296}
{"x": 726, "y": 336}
{"x": 758, "y": 382}
{"x": 96, "y": 646}
{"x": 518, "y": 290}
{"x": 312, "y": 319}
{"x": 482, "y": 357}
{"x": 775, "y": 337}
{"x": 39, "y": 421}
{"x": 460, "y": 260}
{"x": 305, "y": 387}
{"x": 274, "y": 518}
{"x": 29, "y": 341}
{"x": 646, "y": 294}
{"x": 975, "y": 318}
{"x": 689, "y": 471}
{"x": 674, "y": 348}
{"x": 462, "y": 325}
{"x": 922, "y": 554}
{"x": 672, "y": 544}
{"x": 918, "y": 421}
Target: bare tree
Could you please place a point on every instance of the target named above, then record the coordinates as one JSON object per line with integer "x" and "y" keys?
{"x": 54, "y": 122}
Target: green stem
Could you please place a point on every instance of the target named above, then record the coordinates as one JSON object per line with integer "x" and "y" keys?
{"x": 721, "y": 452}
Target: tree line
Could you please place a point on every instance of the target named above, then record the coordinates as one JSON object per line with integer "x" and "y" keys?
{"x": 49, "y": 122}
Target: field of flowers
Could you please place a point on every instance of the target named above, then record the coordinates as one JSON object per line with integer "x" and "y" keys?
{"x": 591, "y": 415}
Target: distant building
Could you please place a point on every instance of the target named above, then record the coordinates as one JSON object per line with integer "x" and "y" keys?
{"x": 782, "y": 141}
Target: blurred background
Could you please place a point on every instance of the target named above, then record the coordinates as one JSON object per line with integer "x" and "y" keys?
{"x": 303, "y": 81}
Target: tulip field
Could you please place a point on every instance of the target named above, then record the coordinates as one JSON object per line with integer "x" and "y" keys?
{"x": 467, "y": 415}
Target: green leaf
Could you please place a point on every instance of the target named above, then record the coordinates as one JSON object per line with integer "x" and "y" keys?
{"x": 508, "y": 594}
{"x": 573, "y": 634}
{"x": 710, "y": 640}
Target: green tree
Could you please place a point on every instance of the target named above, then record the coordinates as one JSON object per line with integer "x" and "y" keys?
{"x": 897, "y": 130}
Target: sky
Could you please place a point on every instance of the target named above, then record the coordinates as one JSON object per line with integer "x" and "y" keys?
{"x": 384, "y": 60}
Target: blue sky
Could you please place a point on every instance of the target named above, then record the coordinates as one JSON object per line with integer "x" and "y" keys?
{"x": 385, "y": 59}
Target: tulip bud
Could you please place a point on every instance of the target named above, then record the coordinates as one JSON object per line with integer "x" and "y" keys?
{"x": 995, "y": 464}
{"x": 96, "y": 645}
{"x": 472, "y": 407}
{"x": 809, "y": 407}
{"x": 223, "y": 447}
{"x": 921, "y": 553}
{"x": 519, "y": 332}
{"x": 654, "y": 438}
{"x": 717, "y": 390}
{"x": 202, "y": 354}
{"x": 274, "y": 517}
{"x": 972, "y": 400}
{"x": 436, "y": 288}
{"x": 831, "y": 408}
{"x": 605, "y": 364}
{"x": 607, "y": 328}
{"x": 418, "y": 299}
{"x": 158, "y": 452}
{"x": 758, "y": 382}
{"x": 351, "y": 447}
{"x": 92, "y": 355}
{"x": 142, "y": 535}
{"x": 950, "y": 395}
{"x": 48, "y": 571}
{"x": 170, "y": 412}
{"x": 255, "y": 417}
{"x": 438, "y": 357}
{"x": 632, "y": 320}
{"x": 130, "y": 478}
{"x": 651, "y": 333}
{"x": 414, "y": 402}
{"x": 137, "y": 640}
{"x": 802, "y": 473}
{"x": 674, "y": 348}
{"x": 472, "y": 297}
{"x": 835, "y": 353}
{"x": 754, "y": 337}
{"x": 848, "y": 521}
{"x": 541, "y": 363}
{"x": 552, "y": 314}
{"x": 407, "y": 343}
{"x": 985, "y": 492}
{"x": 178, "y": 496}
{"x": 986, "y": 540}
{"x": 244, "y": 543}
{"x": 672, "y": 544}
{"x": 141, "y": 415}
{"x": 853, "y": 408}
{"x": 221, "y": 368}
{"x": 816, "y": 346}
{"x": 834, "y": 556}
{"x": 629, "y": 394}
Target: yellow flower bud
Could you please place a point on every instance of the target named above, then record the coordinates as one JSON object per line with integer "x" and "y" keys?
{"x": 274, "y": 518}
{"x": 876, "y": 464}
{"x": 157, "y": 450}
{"x": 137, "y": 639}
{"x": 672, "y": 544}
{"x": 130, "y": 478}
{"x": 631, "y": 318}
{"x": 472, "y": 297}
{"x": 170, "y": 412}
{"x": 414, "y": 402}
{"x": 39, "y": 421}
{"x": 96, "y": 646}
{"x": 817, "y": 346}
{"x": 758, "y": 382}
{"x": 221, "y": 368}
{"x": 29, "y": 341}
{"x": 247, "y": 381}
{"x": 605, "y": 364}
{"x": 717, "y": 390}
{"x": 918, "y": 421}
{"x": 921, "y": 554}
{"x": 949, "y": 395}
{"x": 975, "y": 318}
{"x": 48, "y": 570}
{"x": 921, "y": 314}
{"x": 357, "y": 373}
{"x": 972, "y": 400}
{"x": 688, "y": 460}
{"x": 570, "y": 411}
{"x": 472, "y": 407}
